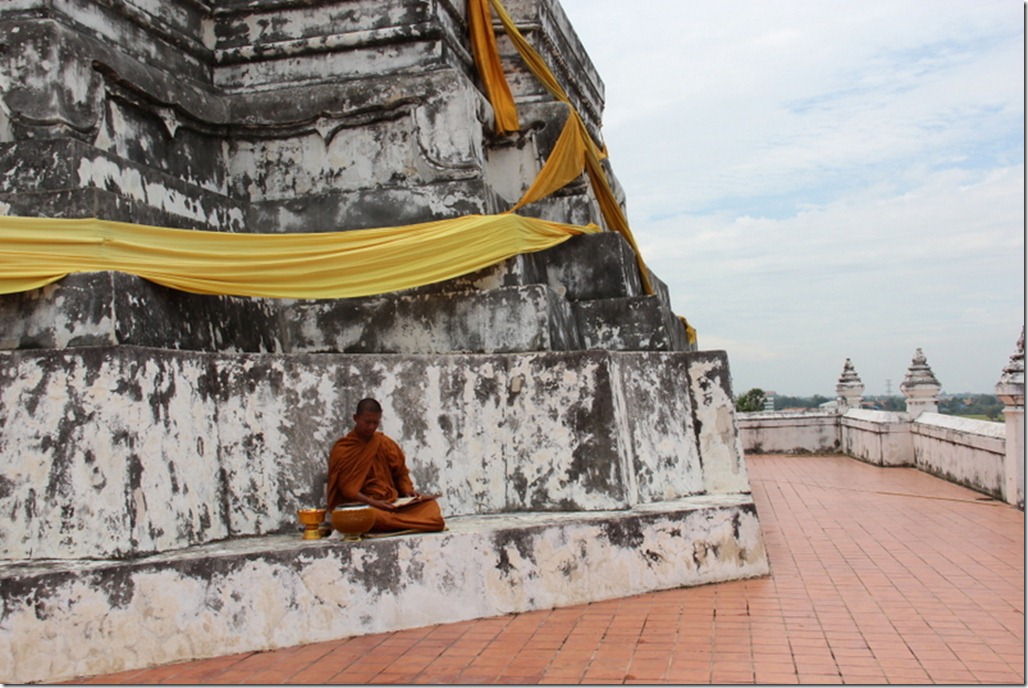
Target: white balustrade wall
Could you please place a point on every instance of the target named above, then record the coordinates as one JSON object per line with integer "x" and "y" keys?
{"x": 964, "y": 451}
{"x": 982, "y": 455}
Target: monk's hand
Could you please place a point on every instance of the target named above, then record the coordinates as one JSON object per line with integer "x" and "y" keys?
{"x": 382, "y": 504}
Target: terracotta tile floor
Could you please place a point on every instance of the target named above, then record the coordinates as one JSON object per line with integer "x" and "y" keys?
{"x": 879, "y": 575}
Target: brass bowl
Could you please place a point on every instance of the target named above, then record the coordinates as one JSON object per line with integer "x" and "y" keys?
{"x": 311, "y": 520}
{"x": 353, "y": 521}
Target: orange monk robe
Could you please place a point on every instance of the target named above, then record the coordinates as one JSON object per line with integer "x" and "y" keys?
{"x": 378, "y": 469}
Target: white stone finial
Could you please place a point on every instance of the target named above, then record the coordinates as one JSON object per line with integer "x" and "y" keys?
{"x": 849, "y": 389}
{"x": 1010, "y": 388}
{"x": 920, "y": 387}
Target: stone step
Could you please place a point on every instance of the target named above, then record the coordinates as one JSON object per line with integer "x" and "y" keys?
{"x": 90, "y": 309}
{"x": 252, "y": 594}
{"x": 262, "y": 44}
{"x": 68, "y": 178}
{"x": 637, "y": 323}
{"x": 585, "y": 267}
{"x": 504, "y": 320}
{"x": 108, "y": 308}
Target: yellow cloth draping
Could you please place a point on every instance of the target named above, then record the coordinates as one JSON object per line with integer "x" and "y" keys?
{"x": 565, "y": 164}
{"x": 690, "y": 331}
{"x": 533, "y": 60}
{"x": 37, "y": 251}
{"x": 575, "y": 151}
{"x": 487, "y": 60}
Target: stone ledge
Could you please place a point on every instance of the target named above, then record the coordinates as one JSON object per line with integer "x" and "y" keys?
{"x": 872, "y": 416}
{"x": 279, "y": 591}
{"x": 945, "y": 426}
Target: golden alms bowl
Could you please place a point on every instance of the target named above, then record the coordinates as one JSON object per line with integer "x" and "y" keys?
{"x": 311, "y": 519}
{"x": 353, "y": 521}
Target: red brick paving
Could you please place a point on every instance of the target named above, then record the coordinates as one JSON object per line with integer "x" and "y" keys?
{"x": 879, "y": 575}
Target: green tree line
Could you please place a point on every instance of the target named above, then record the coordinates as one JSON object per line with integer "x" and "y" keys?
{"x": 984, "y": 406}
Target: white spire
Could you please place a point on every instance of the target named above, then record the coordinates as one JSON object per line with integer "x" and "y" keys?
{"x": 920, "y": 387}
{"x": 849, "y": 389}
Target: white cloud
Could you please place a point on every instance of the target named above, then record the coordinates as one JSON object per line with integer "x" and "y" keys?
{"x": 820, "y": 180}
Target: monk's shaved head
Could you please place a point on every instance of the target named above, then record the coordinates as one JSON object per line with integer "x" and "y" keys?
{"x": 368, "y": 406}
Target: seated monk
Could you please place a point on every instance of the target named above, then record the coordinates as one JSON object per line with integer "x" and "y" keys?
{"x": 367, "y": 467}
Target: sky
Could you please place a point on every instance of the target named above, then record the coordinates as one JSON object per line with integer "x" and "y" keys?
{"x": 817, "y": 180}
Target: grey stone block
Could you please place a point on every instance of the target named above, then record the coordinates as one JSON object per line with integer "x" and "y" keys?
{"x": 511, "y": 319}
{"x": 373, "y": 208}
{"x": 107, "y": 308}
{"x": 507, "y": 307}
{"x": 102, "y": 309}
{"x": 260, "y": 44}
{"x": 65, "y": 177}
{"x": 627, "y": 324}
{"x": 592, "y": 266}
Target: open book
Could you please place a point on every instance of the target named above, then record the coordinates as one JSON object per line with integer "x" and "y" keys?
{"x": 402, "y": 502}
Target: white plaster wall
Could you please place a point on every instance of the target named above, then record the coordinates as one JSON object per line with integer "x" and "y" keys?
{"x": 1014, "y": 461}
{"x": 962, "y": 450}
{"x": 663, "y": 459}
{"x": 122, "y": 451}
{"x": 88, "y": 467}
{"x": 724, "y": 470}
{"x": 878, "y": 437}
{"x": 790, "y": 433}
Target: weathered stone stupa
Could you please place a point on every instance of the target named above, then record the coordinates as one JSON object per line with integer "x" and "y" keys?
{"x": 155, "y": 444}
